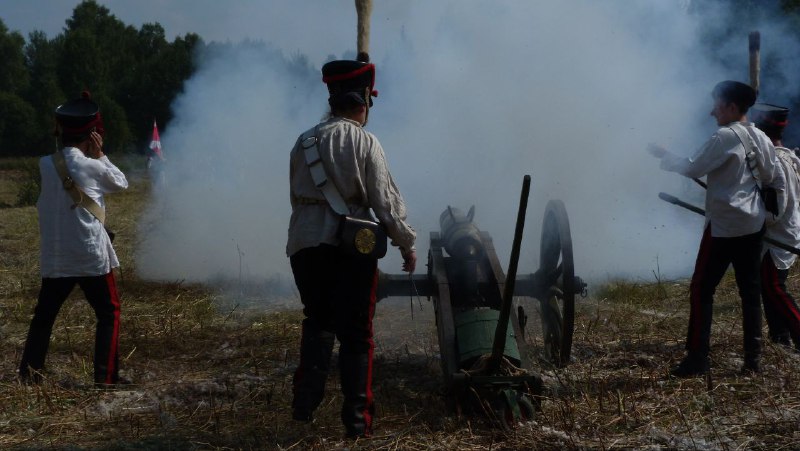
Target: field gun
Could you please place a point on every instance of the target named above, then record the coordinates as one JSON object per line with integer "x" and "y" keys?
{"x": 482, "y": 358}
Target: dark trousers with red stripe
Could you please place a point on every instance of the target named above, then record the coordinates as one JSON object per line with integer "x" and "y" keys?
{"x": 713, "y": 259}
{"x": 780, "y": 309}
{"x": 338, "y": 295}
{"x": 101, "y": 292}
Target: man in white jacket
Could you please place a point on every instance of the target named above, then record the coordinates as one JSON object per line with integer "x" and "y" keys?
{"x": 336, "y": 288}
{"x": 735, "y": 216}
{"x": 75, "y": 247}
{"x": 780, "y": 308}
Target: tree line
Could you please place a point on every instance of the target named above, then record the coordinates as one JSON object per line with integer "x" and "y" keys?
{"x": 133, "y": 74}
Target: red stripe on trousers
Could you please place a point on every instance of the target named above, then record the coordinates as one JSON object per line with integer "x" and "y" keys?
{"x": 112, "y": 350}
{"x": 779, "y": 299}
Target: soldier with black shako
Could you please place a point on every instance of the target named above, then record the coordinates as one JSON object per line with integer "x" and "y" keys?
{"x": 75, "y": 246}
{"x": 337, "y": 288}
{"x": 780, "y": 308}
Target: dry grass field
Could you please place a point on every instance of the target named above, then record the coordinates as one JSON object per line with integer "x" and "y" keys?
{"x": 212, "y": 374}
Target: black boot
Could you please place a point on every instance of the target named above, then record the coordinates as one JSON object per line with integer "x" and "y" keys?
{"x": 316, "y": 347}
{"x": 33, "y": 356}
{"x": 782, "y": 339}
{"x": 29, "y": 375}
{"x": 106, "y": 366}
{"x": 752, "y": 365}
{"x": 358, "y": 408}
{"x": 752, "y": 357}
{"x": 691, "y": 365}
{"x": 751, "y": 329}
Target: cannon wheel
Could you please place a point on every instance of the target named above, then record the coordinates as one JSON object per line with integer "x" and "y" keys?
{"x": 556, "y": 265}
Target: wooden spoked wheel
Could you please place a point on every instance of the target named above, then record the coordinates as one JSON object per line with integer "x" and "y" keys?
{"x": 558, "y": 272}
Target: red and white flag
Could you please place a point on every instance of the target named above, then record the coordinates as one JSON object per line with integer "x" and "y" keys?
{"x": 155, "y": 142}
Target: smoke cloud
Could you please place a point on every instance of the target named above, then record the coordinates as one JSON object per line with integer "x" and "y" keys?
{"x": 473, "y": 96}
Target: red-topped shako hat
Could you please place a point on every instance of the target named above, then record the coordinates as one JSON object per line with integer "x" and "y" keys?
{"x": 350, "y": 82}
{"x": 771, "y": 119}
{"x": 79, "y": 117}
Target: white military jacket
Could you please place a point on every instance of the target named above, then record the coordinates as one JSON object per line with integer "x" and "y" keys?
{"x": 733, "y": 204}
{"x": 786, "y": 227}
{"x": 354, "y": 161}
{"x": 73, "y": 242}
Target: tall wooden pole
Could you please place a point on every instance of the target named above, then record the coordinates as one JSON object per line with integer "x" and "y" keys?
{"x": 755, "y": 60}
{"x": 364, "y": 10}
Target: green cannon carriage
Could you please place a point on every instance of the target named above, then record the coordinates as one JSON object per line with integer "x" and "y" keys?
{"x": 486, "y": 363}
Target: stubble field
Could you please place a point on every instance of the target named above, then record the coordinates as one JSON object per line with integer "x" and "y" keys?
{"x": 213, "y": 371}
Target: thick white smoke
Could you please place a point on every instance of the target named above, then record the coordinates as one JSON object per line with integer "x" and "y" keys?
{"x": 473, "y": 95}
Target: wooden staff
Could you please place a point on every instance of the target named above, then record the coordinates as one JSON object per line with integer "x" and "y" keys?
{"x": 755, "y": 60}
{"x": 501, "y": 331}
{"x": 364, "y": 10}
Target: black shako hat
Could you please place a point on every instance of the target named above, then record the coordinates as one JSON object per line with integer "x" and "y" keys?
{"x": 349, "y": 81}
{"x": 79, "y": 116}
{"x": 771, "y": 119}
{"x": 736, "y": 92}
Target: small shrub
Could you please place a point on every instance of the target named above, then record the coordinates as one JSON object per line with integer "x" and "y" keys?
{"x": 28, "y": 193}
{"x": 31, "y": 184}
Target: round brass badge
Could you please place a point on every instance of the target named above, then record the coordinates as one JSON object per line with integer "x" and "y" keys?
{"x": 365, "y": 241}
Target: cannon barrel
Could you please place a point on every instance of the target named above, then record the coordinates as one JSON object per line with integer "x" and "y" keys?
{"x": 460, "y": 236}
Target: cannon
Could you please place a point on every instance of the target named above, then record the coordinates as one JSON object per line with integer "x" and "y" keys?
{"x": 482, "y": 344}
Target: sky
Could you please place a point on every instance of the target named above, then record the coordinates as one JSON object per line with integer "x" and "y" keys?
{"x": 279, "y": 22}
{"x": 473, "y": 95}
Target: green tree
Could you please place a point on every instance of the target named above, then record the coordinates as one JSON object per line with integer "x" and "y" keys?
{"x": 134, "y": 75}
{"x": 161, "y": 70}
{"x": 13, "y": 73}
{"x": 118, "y": 133}
{"x": 44, "y": 92}
{"x": 171, "y": 68}
{"x": 17, "y": 125}
{"x": 97, "y": 50}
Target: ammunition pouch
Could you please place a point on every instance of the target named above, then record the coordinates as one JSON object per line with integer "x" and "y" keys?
{"x": 770, "y": 197}
{"x": 111, "y": 234}
{"x": 361, "y": 237}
